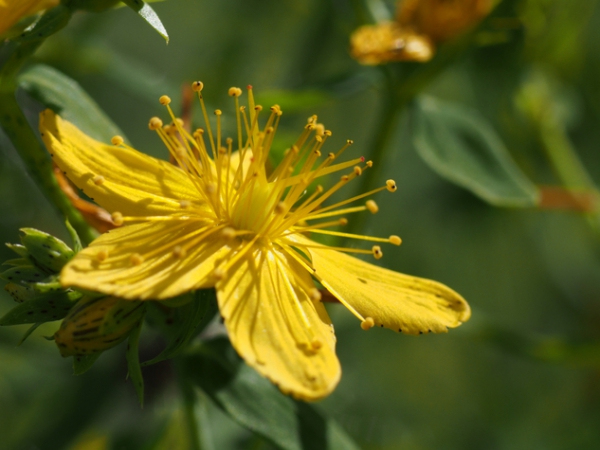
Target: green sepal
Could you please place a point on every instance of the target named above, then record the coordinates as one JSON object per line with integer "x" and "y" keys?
{"x": 30, "y": 330}
{"x": 182, "y": 324}
{"x": 77, "y": 247}
{"x": 45, "y": 308}
{"x": 49, "y": 23}
{"x": 18, "y": 249}
{"x": 24, "y": 274}
{"x": 45, "y": 250}
{"x": 256, "y": 403}
{"x": 92, "y": 5}
{"x": 123, "y": 314}
{"x": 83, "y": 363}
{"x": 146, "y": 12}
{"x": 50, "y": 284}
{"x": 17, "y": 262}
{"x": 133, "y": 362}
{"x": 20, "y": 293}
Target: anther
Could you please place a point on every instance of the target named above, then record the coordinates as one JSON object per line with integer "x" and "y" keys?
{"x": 357, "y": 171}
{"x": 136, "y": 259}
{"x": 316, "y": 344}
{"x": 184, "y": 204}
{"x": 395, "y": 240}
{"x": 116, "y": 140}
{"x": 179, "y": 252}
{"x": 98, "y": 180}
{"x": 117, "y": 218}
{"x": 369, "y": 163}
{"x": 102, "y": 255}
{"x": 211, "y": 188}
{"x": 234, "y": 92}
{"x": 155, "y": 123}
{"x": 228, "y": 233}
{"x": 218, "y": 273}
{"x": 377, "y": 253}
{"x": 164, "y": 100}
{"x": 343, "y": 221}
{"x": 280, "y": 208}
{"x": 367, "y": 324}
{"x": 372, "y": 206}
{"x": 391, "y": 185}
{"x": 328, "y": 133}
{"x": 320, "y": 129}
{"x": 197, "y": 86}
{"x": 349, "y": 142}
{"x": 218, "y": 112}
{"x": 315, "y": 295}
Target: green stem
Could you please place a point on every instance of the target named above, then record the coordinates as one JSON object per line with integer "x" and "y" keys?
{"x": 15, "y": 125}
{"x": 189, "y": 399}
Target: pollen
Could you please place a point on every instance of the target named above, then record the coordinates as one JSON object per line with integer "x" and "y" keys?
{"x": 164, "y": 100}
{"x": 391, "y": 185}
{"x": 117, "y": 140}
{"x": 98, "y": 180}
{"x": 136, "y": 259}
{"x": 377, "y": 253}
{"x": 395, "y": 240}
{"x": 367, "y": 324}
{"x": 117, "y": 218}
{"x": 102, "y": 255}
{"x": 372, "y": 206}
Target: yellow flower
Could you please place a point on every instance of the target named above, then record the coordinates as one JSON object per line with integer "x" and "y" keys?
{"x": 11, "y": 11}
{"x": 220, "y": 219}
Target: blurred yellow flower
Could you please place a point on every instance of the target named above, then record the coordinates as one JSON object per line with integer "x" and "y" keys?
{"x": 220, "y": 219}
{"x": 11, "y": 11}
{"x": 419, "y": 25}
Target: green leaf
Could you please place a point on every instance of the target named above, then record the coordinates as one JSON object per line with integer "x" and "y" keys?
{"x": 146, "y": 12}
{"x": 463, "y": 148}
{"x": 46, "y": 308}
{"x": 83, "y": 363}
{"x": 183, "y": 323}
{"x": 133, "y": 362}
{"x": 258, "y": 405}
{"x": 63, "y": 95}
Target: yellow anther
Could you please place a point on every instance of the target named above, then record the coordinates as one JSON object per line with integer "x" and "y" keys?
{"x": 344, "y": 178}
{"x": 218, "y": 112}
{"x": 395, "y": 240}
{"x": 391, "y": 185}
{"x": 357, "y": 171}
{"x": 349, "y": 142}
{"x": 258, "y": 108}
{"x": 184, "y": 204}
{"x": 316, "y": 344}
{"x": 228, "y": 233}
{"x": 328, "y": 133}
{"x": 164, "y": 100}
{"x": 367, "y": 324}
{"x": 372, "y": 206}
{"x": 211, "y": 188}
{"x": 320, "y": 129}
{"x": 218, "y": 274}
{"x": 98, "y": 180}
{"x": 280, "y": 208}
{"x": 136, "y": 259}
{"x": 117, "y": 218}
{"x": 197, "y": 86}
{"x": 315, "y": 295}
{"x": 228, "y": 141}
{"x": 116, "y": 140}
{"x": 179, "y": 122}
{"x": 179, "y": 252}
{"x": 343, "y": 221}
{"x": 155, "y": 123}
{"x": 369, "y": 163}
{"x": 102, "y": 255}
{"x": 235, "y": 91}
{"x": 377, "y": 253}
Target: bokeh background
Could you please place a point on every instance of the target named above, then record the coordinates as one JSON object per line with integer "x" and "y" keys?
{"x": 523, "y": 373}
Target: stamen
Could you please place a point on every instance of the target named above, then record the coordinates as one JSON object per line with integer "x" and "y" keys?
{"x": 136, "y": 259}
{"x": 391, "y": 185}
{"x": 98, "y": 180}
{"x": 155, "y": 123}
{"x": 164, "y": 100}
{"x": 117, "y": 140}
{"x": 395, "y": 240}
{"x": 117, "y": 218}
{"x": 367, "y": 324}
{"x": 179, "y": 252}
{"x": 228, "y": 233}
{"x": 372, "y": 206}
{"x": 102, "y": 255}
{"x": 377, "y": 253}
{"x": 184, "y": 204}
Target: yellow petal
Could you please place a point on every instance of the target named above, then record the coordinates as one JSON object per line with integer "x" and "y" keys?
{"x": 393, "y": 300}
{"x": 144, "y": 261}
{"x": 276, "y": 327}
{"x": 130, "y": 182}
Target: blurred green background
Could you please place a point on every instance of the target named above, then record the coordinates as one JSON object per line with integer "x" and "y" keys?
{"x": 523, "y": 373}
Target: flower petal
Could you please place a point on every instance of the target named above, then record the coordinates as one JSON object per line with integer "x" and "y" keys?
{"x": 393, "y": 300}
{"x": 276, "y": 327}
{"x": 130, "y": 182}
{"x": 137, "y": 262}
